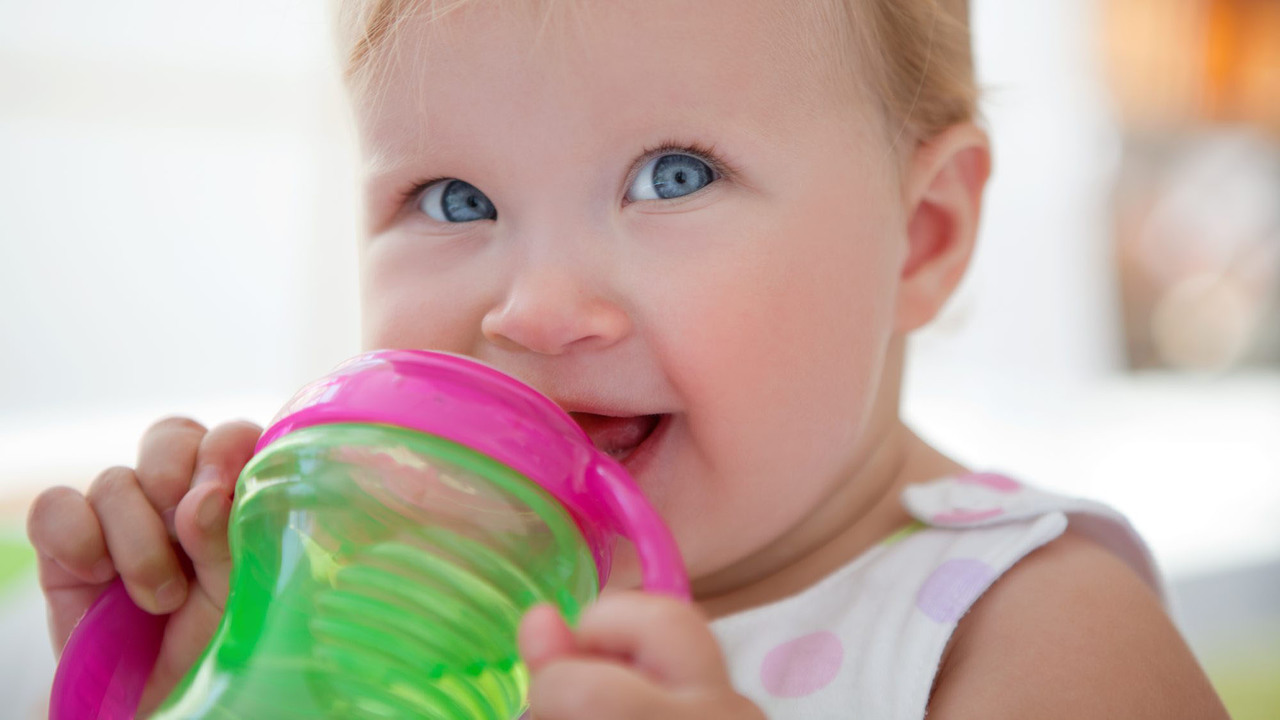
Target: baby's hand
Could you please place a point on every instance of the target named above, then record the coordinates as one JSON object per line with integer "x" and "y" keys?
{"x": 633, "y": 655}
{"x": 161, "y": 526}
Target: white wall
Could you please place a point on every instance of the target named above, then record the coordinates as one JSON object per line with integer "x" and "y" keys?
{"x": 177, "y": 229}
{"x": 177, "y": 224}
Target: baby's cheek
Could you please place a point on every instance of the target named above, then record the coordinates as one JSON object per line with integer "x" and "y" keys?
{"x": 625, "y": 573}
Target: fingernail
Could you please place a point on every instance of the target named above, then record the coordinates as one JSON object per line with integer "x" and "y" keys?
{"x": 533, "y": 647}
{"x": 206, "y": 474}
{"x": 171, "y": 594}
{"x": 212, "y": 507}
{"x": 536, "y": 637}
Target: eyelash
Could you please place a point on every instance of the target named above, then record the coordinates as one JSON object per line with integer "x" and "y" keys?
{"x": 705, "y": 153}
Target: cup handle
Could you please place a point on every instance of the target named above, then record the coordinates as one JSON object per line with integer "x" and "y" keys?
{"x": 634, "y": 518}
{"x": 107, "y": 660}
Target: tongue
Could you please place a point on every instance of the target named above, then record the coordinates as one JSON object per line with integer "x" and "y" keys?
{"x": 615, "y": 435}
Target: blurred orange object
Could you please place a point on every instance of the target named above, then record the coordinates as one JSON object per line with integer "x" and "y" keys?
{"x": 1197, "y": 200}
{"x": 1243, "y": 63}
{"x": 1174, "y": 63}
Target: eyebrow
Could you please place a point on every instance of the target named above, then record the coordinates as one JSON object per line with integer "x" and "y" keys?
{"x": 383, "y": 174}
{"x": 380, "y": 161}
{"x": 380, "y": 164}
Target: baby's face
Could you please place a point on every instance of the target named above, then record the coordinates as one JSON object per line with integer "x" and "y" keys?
{"x": 662, "y": 210}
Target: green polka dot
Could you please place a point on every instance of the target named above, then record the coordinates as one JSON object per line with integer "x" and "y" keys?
{"x": 908, "y": 529}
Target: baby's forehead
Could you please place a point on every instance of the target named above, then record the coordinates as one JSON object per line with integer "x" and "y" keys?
{"x": 731, "y": 56}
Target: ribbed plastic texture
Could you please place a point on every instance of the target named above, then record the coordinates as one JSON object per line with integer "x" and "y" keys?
{"x": 388, "y": 574}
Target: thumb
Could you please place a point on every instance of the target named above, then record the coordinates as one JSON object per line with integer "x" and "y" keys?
{"x": 544, "y": 636}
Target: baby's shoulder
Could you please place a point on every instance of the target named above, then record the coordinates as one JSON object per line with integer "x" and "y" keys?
{"x": 1071, "y": 630}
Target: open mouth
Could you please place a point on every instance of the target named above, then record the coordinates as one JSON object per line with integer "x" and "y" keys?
{"x": 618, "y": 437}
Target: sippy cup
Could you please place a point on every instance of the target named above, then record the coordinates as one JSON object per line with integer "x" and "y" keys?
{"x": 399, "y": 516}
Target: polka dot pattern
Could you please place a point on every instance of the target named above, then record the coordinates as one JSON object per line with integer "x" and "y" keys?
{"x": 974, "y": 499}
{"x": 991, "y": 481}
{"x": 948, "y": 592}
{"x": 802, "y": 666}
{"x": 959, "y": 517}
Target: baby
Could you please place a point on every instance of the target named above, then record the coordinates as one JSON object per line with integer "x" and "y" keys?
{"x": 705, "y": 229}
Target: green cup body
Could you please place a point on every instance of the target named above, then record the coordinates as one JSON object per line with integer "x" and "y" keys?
{"x": 381, "y": 572}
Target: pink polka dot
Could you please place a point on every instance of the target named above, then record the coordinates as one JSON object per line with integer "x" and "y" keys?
{"x": 949, "y": 591}
{"x": 991, "y": 481}
{"x": 957, "y": 517}
{"x": 802, "y": 666}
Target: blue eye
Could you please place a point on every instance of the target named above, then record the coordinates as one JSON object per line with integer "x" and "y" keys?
{"x": 670, "y": 176}
{"x": 456, "y": 201}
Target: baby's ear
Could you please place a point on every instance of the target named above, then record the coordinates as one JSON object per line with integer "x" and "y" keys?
{"x": 943, "y": 198}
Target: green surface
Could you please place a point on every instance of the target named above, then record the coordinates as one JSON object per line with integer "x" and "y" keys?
{"x": 907, "y": 530}
{"x": 16, "y": 560}
{"x": 1248, "y": 679}
{"x": 1251, "y": 693}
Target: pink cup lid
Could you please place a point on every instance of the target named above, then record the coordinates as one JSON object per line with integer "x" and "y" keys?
{"x": 467, "y": 402}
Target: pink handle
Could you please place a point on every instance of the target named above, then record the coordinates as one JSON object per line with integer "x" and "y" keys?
{"x": 107, "y": 660}
{"x": 635, "y": 519}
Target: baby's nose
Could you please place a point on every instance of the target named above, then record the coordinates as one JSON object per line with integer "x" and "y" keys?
{"x": 551, "y": 311}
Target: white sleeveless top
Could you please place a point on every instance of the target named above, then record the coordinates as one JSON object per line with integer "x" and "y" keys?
{"x": 866, "y": 641}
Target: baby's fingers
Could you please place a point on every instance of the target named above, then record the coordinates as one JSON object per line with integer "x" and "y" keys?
{"x": 137, "y": 541}
{"x": 64, "y": 530}
{"x": 201, "y": 519}
{"x": 166, "y": 462}
{"x": 582, "y": 689}
{"x": 72, "y": 558}
{"x": 667, "y": 639}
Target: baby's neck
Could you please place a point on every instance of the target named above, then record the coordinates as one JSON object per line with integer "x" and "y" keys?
{"x": 856, "y": 516}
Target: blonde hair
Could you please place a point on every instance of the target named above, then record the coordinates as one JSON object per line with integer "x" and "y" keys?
{"x": 916, "y": 54}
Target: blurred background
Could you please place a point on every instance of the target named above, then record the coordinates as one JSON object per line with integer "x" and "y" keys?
{"x": 177, "y": 235}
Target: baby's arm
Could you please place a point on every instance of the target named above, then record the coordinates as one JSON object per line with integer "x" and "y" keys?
{"x": 1070, "y": 632}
